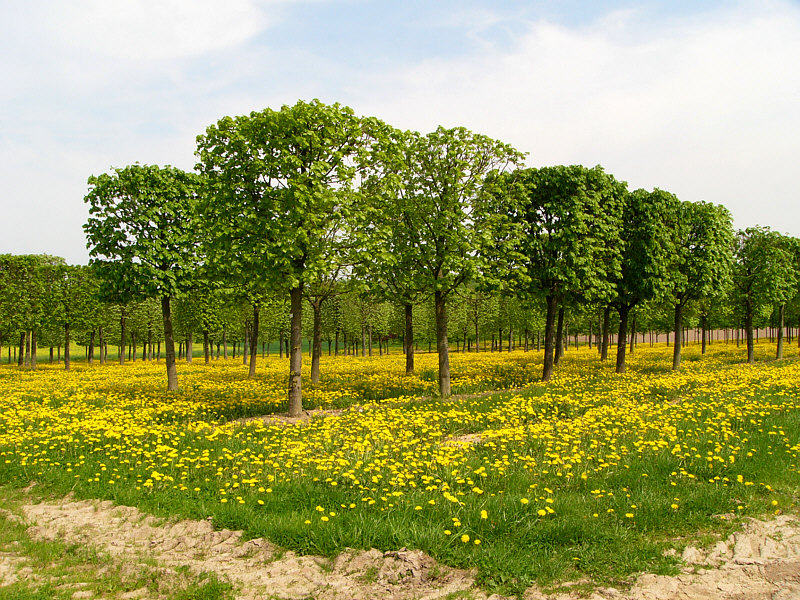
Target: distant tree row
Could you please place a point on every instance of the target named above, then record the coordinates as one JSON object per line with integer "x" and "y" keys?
{"x": 313, "y": 202}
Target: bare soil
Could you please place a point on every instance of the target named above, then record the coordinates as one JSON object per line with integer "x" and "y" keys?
{"x": 760, "y": 562}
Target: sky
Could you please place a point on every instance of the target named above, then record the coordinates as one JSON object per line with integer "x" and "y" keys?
{"x": 699, "y": 98}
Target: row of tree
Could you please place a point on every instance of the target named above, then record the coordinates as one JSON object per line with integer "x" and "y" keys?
{"x": 312, "y": 201}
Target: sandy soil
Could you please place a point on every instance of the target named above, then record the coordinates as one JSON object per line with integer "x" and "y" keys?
{"x": 761, "y": 562}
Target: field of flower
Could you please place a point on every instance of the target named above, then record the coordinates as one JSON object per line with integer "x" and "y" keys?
{"x": 592, "y": 475}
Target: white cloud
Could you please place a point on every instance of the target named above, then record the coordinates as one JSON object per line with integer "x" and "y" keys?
{"x": 704, "y": 107}
{"x": 154, "y": 29}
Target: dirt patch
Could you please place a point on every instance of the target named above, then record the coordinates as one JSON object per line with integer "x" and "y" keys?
{"x": 760, "y": 562}
{"x": 255, "y": 567}
{"x": 468, "y": 439}
{"x": 285, "y": 419}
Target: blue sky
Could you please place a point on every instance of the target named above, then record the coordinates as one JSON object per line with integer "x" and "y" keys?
{"x": 697, "y": 98}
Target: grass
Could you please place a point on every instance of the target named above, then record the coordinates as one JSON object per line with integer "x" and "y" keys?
{"x": 55, "y": 570}
{"x": 593, "y": 476}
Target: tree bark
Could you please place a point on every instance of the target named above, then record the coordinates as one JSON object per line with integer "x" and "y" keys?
{"x": 66, "y": 347}
{"x": 779, "y": 349}
{"x": 34, "y": 349}
{"x": 606, "y": 334}
{"x": 254, "y": 340}
{"x": 409, "y": 310}
{"x": 102, "y": 345}
{"x": 559, "y": 337}
{"x": 122, "y": 334}
{"x": 704, "y": 328}
{"x": 296, "y": 355}
{"x": 549, "y": 327}
{"x": 748, "y": 325}
{"x": 206, "y": 347}
{"x": 90, "y": 358}
{"x": 316, "y": 306}
{"x": 169, "y": 344}
{"x": 442, "y": 347}
{"x": 633, "y": 332}
{"x": 21, "y": 355}
{"x": 678, "y": 342}
{"x": 623, "y": 310}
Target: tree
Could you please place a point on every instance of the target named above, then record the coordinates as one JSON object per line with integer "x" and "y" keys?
{"x": 142, "y": 237}
{"x": 280, "y": 200}
{"x": 763, "y": 274}
{"x": 429, "y": 229}
{"x": 568, "y": 221}
{"x": 702, "y": 242}
{"x": 646, "y": 250}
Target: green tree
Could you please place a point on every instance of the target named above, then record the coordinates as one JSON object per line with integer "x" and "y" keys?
{"x": 763, "y": 274}
{"x": 142, "y": 237}
{"x": 280, "y": 199}
{"x": 436, "y": 211}
{"x": 701, "y": 266}
{"x": 568, "y": 220}
{"x": 646, "y": 252}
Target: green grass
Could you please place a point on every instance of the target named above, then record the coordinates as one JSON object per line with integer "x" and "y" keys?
{"x": 587, "y": 536}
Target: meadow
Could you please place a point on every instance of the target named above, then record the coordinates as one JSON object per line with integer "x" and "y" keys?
{"x": 589, "y": 477}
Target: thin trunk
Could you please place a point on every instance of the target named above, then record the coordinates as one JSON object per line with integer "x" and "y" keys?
{"x": 254, "y": 340}
{"x": 122, "y": 337}
{"x": 27, "y": 348}
{"x": 606, "y": 334}
{"x": 34, "y": 348}
{"x": 440, "y": 307}
{"x": 633, "y": 332}
{"x": 779, "y": 350}
{"x": 409, "y": 336}
{"x": 102, "y": 337}
{"x": 676, "y": 346}
{"x": 590, "y": 333}
{"x": 51, "y": 354}
{"x": 363, "y": 340}
{"x": 550, "y": 319}
{"x": 703, "y": 327}
{"x": 206, "y": 347}
{"x": 91, "y": 348}
{"x": 316, "y": 306}
{"x": 224, "y": 342}
{"x": 748, "y": 325}
{"x": 169, "y": 344}
{"x": 621, "y": 336}
{"x": 66, "y": 347}
{"x": 336, "y": 343}
{"x": 559, "y": 337}
{"x": 296, "y": 356}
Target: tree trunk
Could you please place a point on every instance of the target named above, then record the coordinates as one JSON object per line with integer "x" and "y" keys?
{"x": 66, "y": 347}
{"x": 102, "y": 345}
{"x": 21, "y": 355}
{"x": 363, "y": 340}
{"x": 296, "y": 355}
{"x": 779, "y": 350}
{"x": 206, "y": 347}
{"x": 748, "y": 325}
{"x": 316, "y": 306}
{"x": 590, "y": 333}
{"x": 440, "y": 307}
{"x": 409, "y": 309}
{"x": 169, "y": 344}
{"x": 91, "y": 348}
{"x": 254, "y": 340}
{"x": 549, "y": 327}
{"x": 678, "y": 342}
{"x": 34, "y": 349}
{"x": 633, "y": 332}
{"x": 336, "y": 343}
{"x": 606, "y": 334}
{"x": 224, "y": 342}
{"x": 703, "y": 327}
{"x": 559, "y": 337}
{"x": 622, "y": 333}
{"x": 122, "y": 336}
